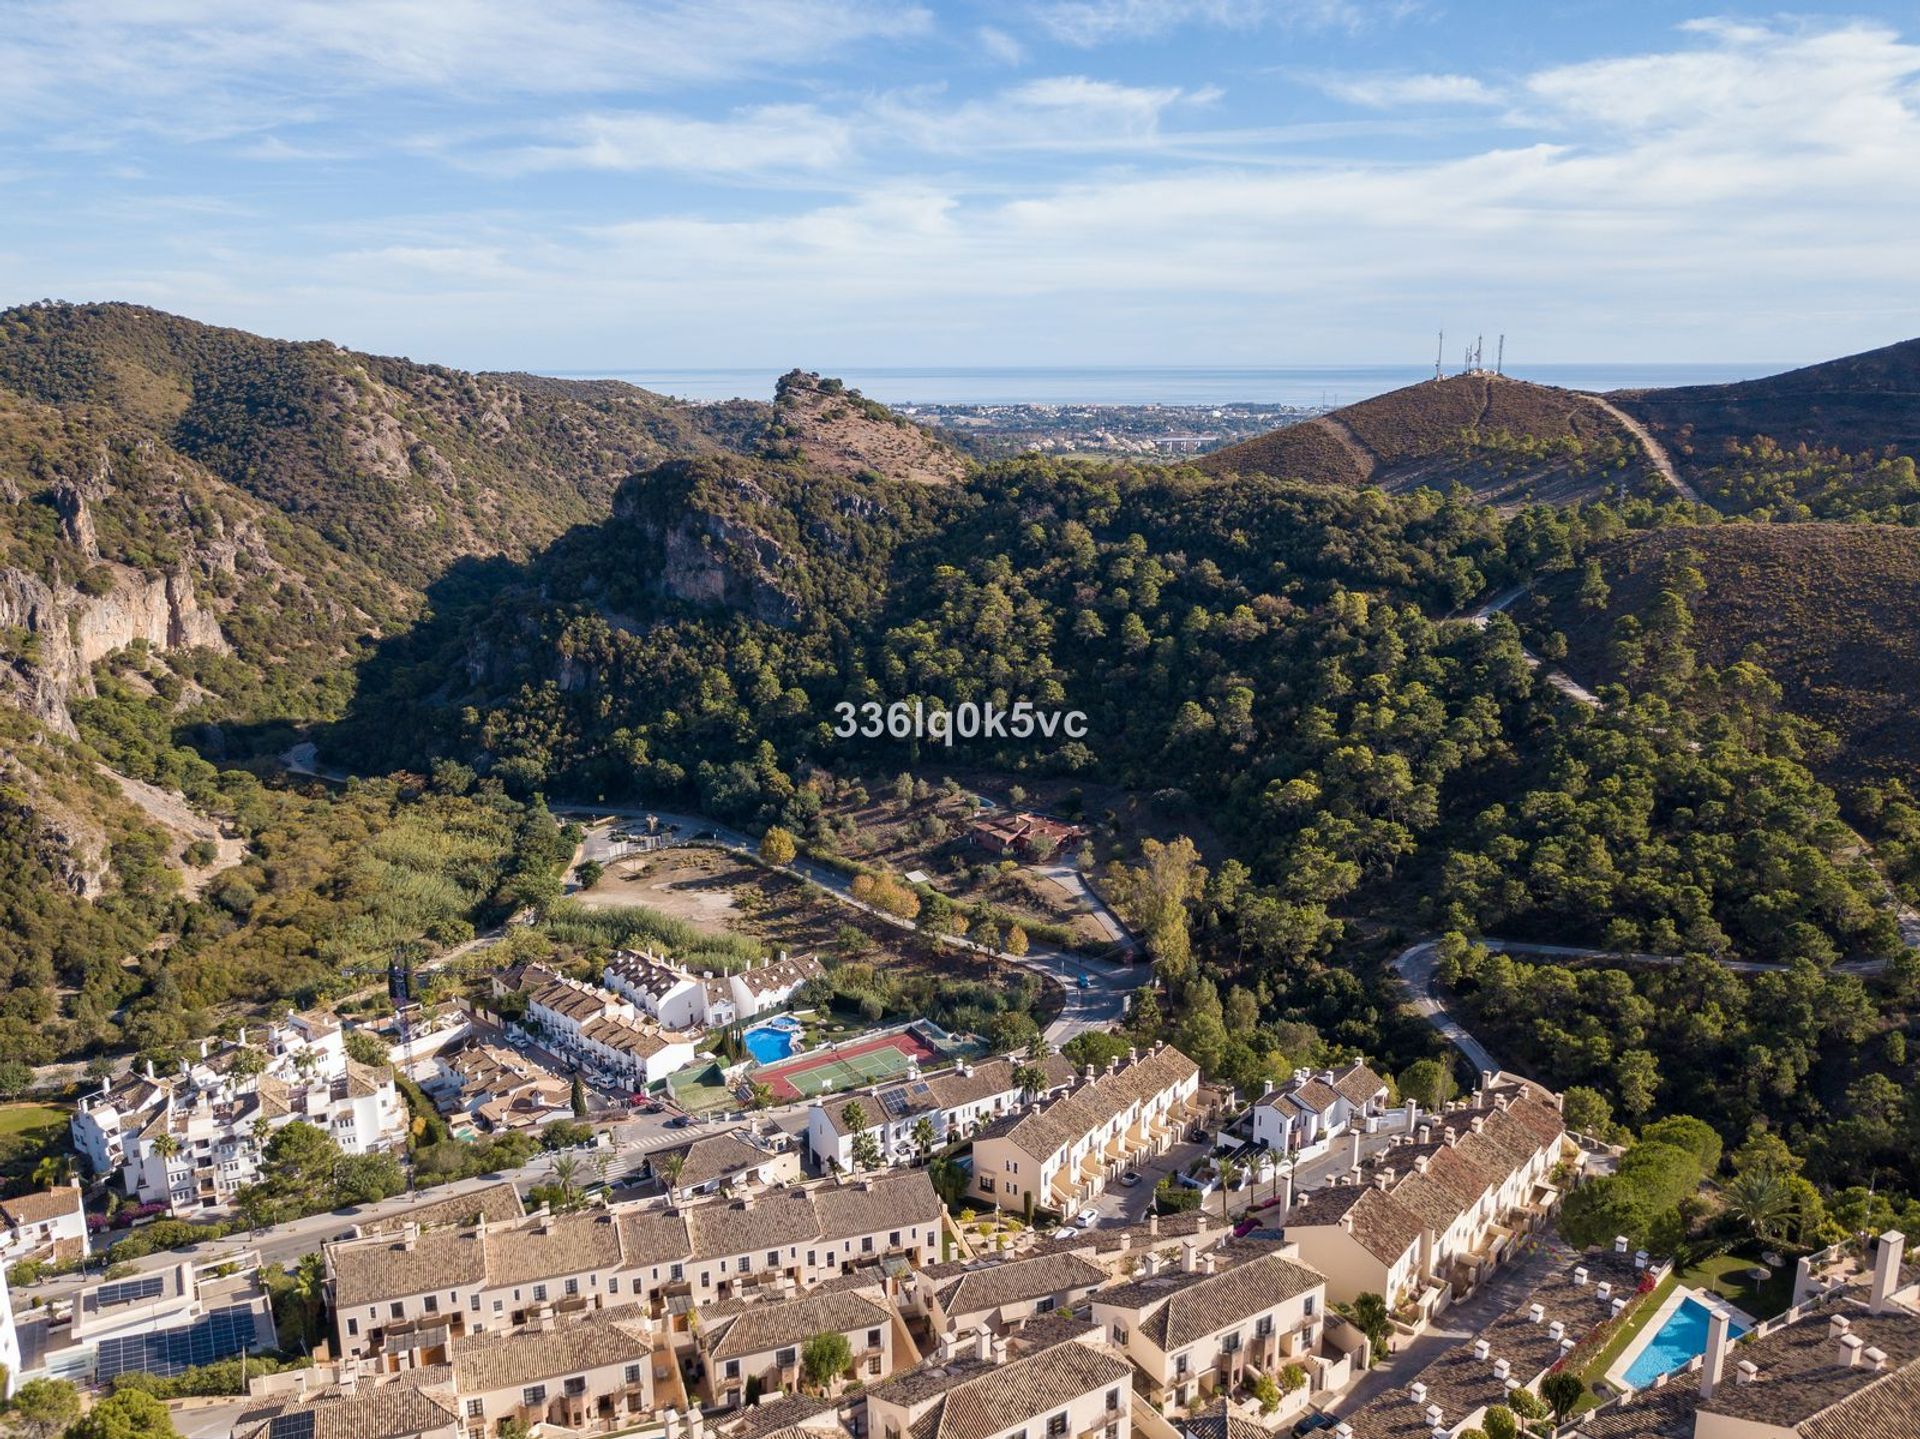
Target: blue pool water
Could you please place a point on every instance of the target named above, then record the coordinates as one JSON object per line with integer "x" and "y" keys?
{"x": 1676, "y": 1344}
{"x": 768, "y": 1042}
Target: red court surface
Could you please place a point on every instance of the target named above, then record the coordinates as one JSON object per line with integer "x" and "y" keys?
{"x": 867, "y": 1061}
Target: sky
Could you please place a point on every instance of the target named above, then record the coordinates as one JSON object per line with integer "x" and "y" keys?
{"x": 588, "y": 185}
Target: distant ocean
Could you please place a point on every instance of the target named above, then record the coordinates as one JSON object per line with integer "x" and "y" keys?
{"x": 1178, "y": 385}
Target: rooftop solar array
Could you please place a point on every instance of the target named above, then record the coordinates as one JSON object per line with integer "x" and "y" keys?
{"x": 294, "y": 1424}
{"x": 130, "y": 1291}
{"x": 221, "y": 1335}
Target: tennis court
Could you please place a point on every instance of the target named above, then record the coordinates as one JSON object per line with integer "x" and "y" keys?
{"x": 848, "y": 1067}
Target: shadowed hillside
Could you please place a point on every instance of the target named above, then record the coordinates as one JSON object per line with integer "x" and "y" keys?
{"x": 1509, "y": 441}
{"x": 1832, "y": 611}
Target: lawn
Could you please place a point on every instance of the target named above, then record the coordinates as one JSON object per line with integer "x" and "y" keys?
{"x": 18, "y": 1119}
{"x": 1726, "y": 1275}
{"x": 28, "y": 1131}
{"x": 1617, "y": 1345}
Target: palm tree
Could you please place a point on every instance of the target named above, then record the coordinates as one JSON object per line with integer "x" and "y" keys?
{"x": 923, "y": 1136}
{"x": 1764, "y": 1201}
{"x": 167, "y": 1147}
{"x": 566, "y": 1170}
{"x": 667, "y": 1167}
{"x": 309, "y": 1287}
{"x": 1032, "y": 1079}
{"x": 51, "y": 1172}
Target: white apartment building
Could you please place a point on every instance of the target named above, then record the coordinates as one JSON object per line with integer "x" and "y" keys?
{"x": 1317, "y": 1107}
{"x": 190, "y": 1140}
{"x": 1060, "y": 1153}
{"x": 47, "y": 1224}
{"x": 600, "y": 1028}
{"x": 957, "y": 1102}
{"x": 677, "y": 999}
{"x": 1071, "y": 1390}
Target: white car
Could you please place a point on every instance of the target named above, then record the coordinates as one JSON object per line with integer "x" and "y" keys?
{"x": 1087, "y": 1218}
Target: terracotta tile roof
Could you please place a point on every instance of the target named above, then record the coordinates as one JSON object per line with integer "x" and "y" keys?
{"x": 497, "y": 1204}
{"x": 977, "y": 1287}
{"x": 984, "y": 1400}
{"x": 716, "y": 1156}
{"x": 1889, "y": 1409}
{"x": 1218, "y": 1421}
{"x": 1054, "y": 1124}
{"x": 1043, "y": 1331}
{"x": 754, "y": 1326}
{"x": 595, "y": 1340}
{"x": 370, "y": 1271}
{"x": 877, "y": 1204}
{"x": 391, "y": 1411}
{"x": 41, "y": 1205}
{"x": 1179, "y": 1307}
{"x": 781, "y": 974}
{"x": 655, "y": 1237}
{"x": 745, "y": 1226}
{"x": 1382, "y": 1225}
{"x": 1315, "y": 1094}
{"x": 558, "y": 1245}
{"x": 773, "y": 1415}
{"x": 1802, "y": 1374}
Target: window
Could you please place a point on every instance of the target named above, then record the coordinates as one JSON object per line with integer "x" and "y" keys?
{"x": 613, "y": 1284}
{"x": 1180, "y": 1365}
{"x": 533, "y": 1394}
{"x": 733, "y": 1369}
{"x": 1263, "y": 1327}
{"x": 1045, "y": 1304}
{"x": 1113, "y": 1401}
{"x": 811, "y": 1262}
{"x": 1119, "y": 1333}
{"x": 722, "y": 1266}
{"x": 539, "y": 1293}
{"x": 633, "y": 1374}
{"x": 986, "y": 1184}
{"x": 397, "y": 1310}
{"x": 573, "y": 1286}
{"x": 1308, "y": 1311}
{"x": 676, "y": 1272}
{"x": 476, "y": 1409}
{"x": 706, "y": 1280}
{"x": 873, "y": 1339}
{"x": 1230, "y": 1343}
{"x": 1057, "y": 1426}
{"x": 866, "y": 1244}
{"x": 431, "y": 1303}
{"x": 785, "y": 1358}
{"x": 473, "y": 1303}
{"x": 577, "y": 1385}
{"x": 1013, "y": 1167}
{"x": 773, "y": 1259}
{"x": 893, "y": 1240}
{"x": 353, "y": 1326}
{"x": 873, "y": 1365}
{"x": 498, "y": 1305}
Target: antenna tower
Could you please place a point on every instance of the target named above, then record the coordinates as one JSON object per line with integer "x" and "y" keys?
{"x": 1500, "y": 357}
{"x": 1439, "y": 350}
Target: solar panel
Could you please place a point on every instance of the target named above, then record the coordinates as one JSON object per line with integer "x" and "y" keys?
{"x": 130, "y": 1291}
{"x": 220, "y": 1335}
{"x": 294, "y": 1424}
{"x": 894, "y": 1101}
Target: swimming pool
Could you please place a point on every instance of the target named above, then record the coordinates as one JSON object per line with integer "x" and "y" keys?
{"x": 1676, "y": 1344}
{"x": 770, "y": 1042}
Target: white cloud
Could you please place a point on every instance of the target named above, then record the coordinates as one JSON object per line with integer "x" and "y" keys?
{"x": 210, "y": 67}
{"x": 1384, "y": 92}
{"x": 767, "y": 138}
{"x": 1055, "y": 113}
{"x": 1098, "y": 22}
{"x": 999, "y": 46}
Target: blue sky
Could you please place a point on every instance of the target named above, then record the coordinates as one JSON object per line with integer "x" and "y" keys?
{"x": 590, "y": 184}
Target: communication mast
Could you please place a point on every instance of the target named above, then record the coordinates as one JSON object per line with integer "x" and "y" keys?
{"x": 1500, "y": 357}
{"x": 1439, "y": 350}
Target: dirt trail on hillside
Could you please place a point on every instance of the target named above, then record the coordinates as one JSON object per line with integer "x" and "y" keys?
{"x": 1656, "y": 452}
{"x": 1362, "y": 456}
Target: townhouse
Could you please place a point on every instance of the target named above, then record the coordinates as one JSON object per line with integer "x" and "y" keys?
{"x": 399, "y": 1299}
{"x": 47, "y": 1224}
{"x": 677, "y": 1000}
{"x": 394, "y": 1411}
{"x": 1363, "y": 1239}
{"x": 1060, "y": 1153}
{"x": 1196, "y": 1330}
{"x": 192, "y": 1139}
{"x": 496, "y": 1089}
{"x": 1064, "y": 1391}
{"x": 956, "y": 1102}
{"x": 596, "y": 1026}
{"x": 997, "y": 1295}
{"x": 749, "y": 1347}
{"x": 734, "y": 1160}
{"x": 1318, "y": 1107}
{"x": 599, "y": 1370}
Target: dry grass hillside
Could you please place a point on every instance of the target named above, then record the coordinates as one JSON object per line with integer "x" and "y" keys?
{"x": 838, "y": 431}
{"x": 1509, "y": 441}
{"x": 1832, "y": 610}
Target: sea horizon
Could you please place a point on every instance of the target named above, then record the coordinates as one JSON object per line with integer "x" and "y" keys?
{"x": 1304, "y": 386}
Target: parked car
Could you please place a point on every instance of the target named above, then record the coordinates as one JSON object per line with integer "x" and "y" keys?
{"x": 1319, "y": 1419}
{"x": 1087, "y": 1218}
{"x": 1130, "y": 1178}
{"x": 681, "y": 1121}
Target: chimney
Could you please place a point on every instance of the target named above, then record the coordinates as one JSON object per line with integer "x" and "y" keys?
{"x": 999, "y": 1351}
{"x": 983, "y": 1344}
{"x": 1886, "y": 1268}
{"x": 1417, "y": 1392}
{"x": 1850, "y": 1347}
{"x": 1605, "y": 1291}
{"x": 203, "y": 1049}
{"x": 1189, "y": 1256}
{"x": 1353, "y": 1149}
{"x": 1486, "y": 1080}
{"x": 1153, "y": 1224}
{"x": 1713, "y": 1363}
{"x": 1619, "y": 1244}
{"x": 409, "y": 1235}
{"x": 1536, "y": 1313}
{"x": 1152, "y": 1264}
{"x": 1746, "y": 1371}
{"x": 1501, "y": 1368}
{"x": 1876, "y": 1359}
{"x": 1133, "y": 1054}
{"x": 1640, "y": 1258}
{"x": 1283, "y": 1195}
{"x": 1481, "y": 1349}
{"x": 1206, "y": 1262}
{"x": 1426, "y": 1134}
{"x": 150, "y": 1073}
{"x": 1266, "y": 1088}
{"x": 1419, "y": 1164}
{"x": 1448, "y": 1135}
{"x": 1580, "y": 1275}
{"x": 1478, "y": 1123}
{"x": 1556, "y": 1331}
